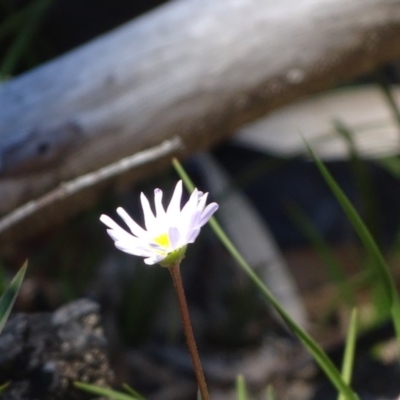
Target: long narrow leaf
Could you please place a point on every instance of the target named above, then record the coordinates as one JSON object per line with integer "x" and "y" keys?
{"x": 112, "y": 394}
{"x": 24, "y": 37}
{"x": 132, "y": 391}
{"x": 348, "y": 359}
{"x": 387, "y": 92}
{"x": 8, "y": 298}
{"x": 270, "y": 393}
{"x": 4, "y": 386}
{"x": 316, "y": 351}
{"x": 390, "y": 164}
{"x": 369, "y": 206}
{"x": 241, "y": 389}
{"x": 381, "y": 270}
{"x": 361, "y": 175}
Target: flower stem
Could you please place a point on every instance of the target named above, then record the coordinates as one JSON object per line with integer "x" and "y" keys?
{"x": 187, "y": 328}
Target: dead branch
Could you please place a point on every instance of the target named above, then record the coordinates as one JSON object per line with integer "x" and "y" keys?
{"x": 196, "y": 69}
{"x": 32, "y": 213}
{"x": 90, "y": 180}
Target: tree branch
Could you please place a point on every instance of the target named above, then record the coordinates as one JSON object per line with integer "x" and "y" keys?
{"x": 34, "y": 212}
{"x": 196, "y": 69}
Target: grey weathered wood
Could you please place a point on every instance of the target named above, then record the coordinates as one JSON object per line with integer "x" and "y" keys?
{"x": 363, "y": 109}
{"x": 197, "y": 69}
{"x": 28, "y": 217}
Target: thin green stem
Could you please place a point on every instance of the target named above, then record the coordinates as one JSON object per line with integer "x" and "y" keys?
{"x": 187, "y": 328}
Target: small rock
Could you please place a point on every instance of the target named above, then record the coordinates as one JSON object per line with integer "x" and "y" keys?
{"x": 41, "y": 355}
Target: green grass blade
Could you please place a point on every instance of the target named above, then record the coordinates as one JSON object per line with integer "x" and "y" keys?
{"x": 391, "y": 164}
{"x": 387, "y": 92}
{"x": 368, "y": 206}
{"x": 7, "y": 300}
{"x": 270, "y": 393}
{"x": 361, "y": 176}
{"x": 315, "y": 350}
{"x": 241, "y": 389}
{"x": 15, "y": 20}
{"x": 132, "y": 391}
{"x": 349, "y": 353}
{"x": 381, "y": 273}
{"x": 111, "y": 394}
{"x": 4, "y": 386}
{"x": 24, "y": 37}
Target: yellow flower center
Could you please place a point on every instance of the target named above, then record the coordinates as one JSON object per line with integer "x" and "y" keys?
{"x": 163, "y": 240}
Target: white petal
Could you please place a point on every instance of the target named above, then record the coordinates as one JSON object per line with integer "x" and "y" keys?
{"x": 133, "y": 241}
{"x": 174, "y": 206}
{"x": 161, "y": 216}
{"x": 154, "y": 259}
{"x": 193, "y": 235}
{"x": 105, "y": 219}
{"x": 129, "y": 240}
{"x": 160, "y": 212}
{"x": 188, "y": 213}
{"x": 196, "y": 219}
{"x": 116, "y": 235}
{"x": 136, "y": 251}
{"x": 181, "y": 226}
{"x": 174, "y": 238}
{"x": 150, "y": 220}
{"x": 156, "y": 247}
{"x": 193, "y": 221}
{"x": 190, "y": 207}
{"x": 133, "y": 226}
{"x": 202, "y": 202}
{"x": 207, "y": 213}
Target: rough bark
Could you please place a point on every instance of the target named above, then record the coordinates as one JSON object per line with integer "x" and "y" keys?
{"x": 196, "y": 69}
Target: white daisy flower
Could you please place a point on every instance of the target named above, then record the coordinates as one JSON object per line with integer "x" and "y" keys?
{"x": 167, "y": 232}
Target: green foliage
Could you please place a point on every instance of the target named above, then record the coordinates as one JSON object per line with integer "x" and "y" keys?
{"x": 387, "y": 92}
{"x": 270, "y": 393}
{"x": 241, "y": 389}
{"x": 109, "y": 393}
{"x": 315, "y": 350}
{"x": 391, "y": 165}
{"x": 348, "y": 359}
{"x": 4, "y": 386}
{"x": 22, "y": 26}
{"x": 132, "y": 392}
{"x": 380, "y": 273}
{"x": 7, "y": 301}
{"x": 8, "y": 298}
{"x": 362, "y": 177}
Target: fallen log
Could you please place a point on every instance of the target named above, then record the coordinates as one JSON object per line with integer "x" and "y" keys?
{"x": 194, "y": 69}
{"x": 364, "y": 111}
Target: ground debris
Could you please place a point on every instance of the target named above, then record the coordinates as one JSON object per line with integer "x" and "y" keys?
{"x": 42, "y": 354}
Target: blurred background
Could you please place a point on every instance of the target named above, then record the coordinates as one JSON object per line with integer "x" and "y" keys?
{"x": 274, "y": 204}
